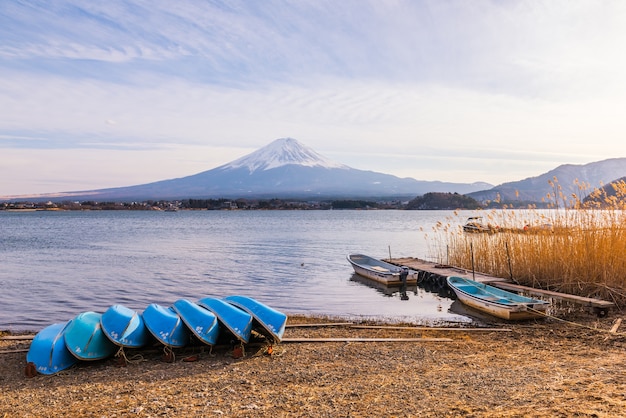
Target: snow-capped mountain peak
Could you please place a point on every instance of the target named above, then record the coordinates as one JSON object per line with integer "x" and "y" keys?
{"x": 283, "y": 151}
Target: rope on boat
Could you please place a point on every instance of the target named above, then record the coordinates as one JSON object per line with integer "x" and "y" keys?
{"x": 121, "y": 354}
{"x": 168, "y": 354}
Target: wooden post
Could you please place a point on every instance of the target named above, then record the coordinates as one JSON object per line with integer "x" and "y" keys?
{"x": 472, "y": 255}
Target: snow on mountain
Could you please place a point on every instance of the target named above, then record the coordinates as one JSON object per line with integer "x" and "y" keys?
{"x": 281, "y": 152}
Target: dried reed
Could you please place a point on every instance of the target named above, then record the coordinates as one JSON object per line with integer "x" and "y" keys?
{"x": 578, "y": 246}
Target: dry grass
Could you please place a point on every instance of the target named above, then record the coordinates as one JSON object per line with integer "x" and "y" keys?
{"x": 539, "y": 369}
{"x": 571, "y": 248}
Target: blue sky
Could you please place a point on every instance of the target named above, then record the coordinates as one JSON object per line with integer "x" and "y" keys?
{"x": 116, "y": 93}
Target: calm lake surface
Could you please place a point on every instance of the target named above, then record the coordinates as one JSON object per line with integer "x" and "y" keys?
{"x": 54, "y": 265}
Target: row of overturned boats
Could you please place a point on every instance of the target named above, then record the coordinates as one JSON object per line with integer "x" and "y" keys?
{"x": 479, "y": 296}
{"x": 93, "y": 336}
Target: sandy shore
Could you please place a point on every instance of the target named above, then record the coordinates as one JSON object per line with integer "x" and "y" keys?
{"x": 546, "y": 368}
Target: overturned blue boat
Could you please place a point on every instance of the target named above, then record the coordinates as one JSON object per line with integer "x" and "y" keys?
{"x": 166, "y": 325}
{"x": 201, "y": 322}
{"x": 48, "y": 352}
{"x": 124, "y": 327}
{"x": 267, "y": 321}
{"x": 237, "y": 321}
{"x": 85, "y": 339}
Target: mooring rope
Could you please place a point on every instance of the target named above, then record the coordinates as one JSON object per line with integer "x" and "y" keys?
{"x": 134, "y": 359}
{"x": 618, "y": 334}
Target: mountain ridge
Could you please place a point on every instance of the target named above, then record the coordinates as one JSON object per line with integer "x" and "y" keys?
{"x": 568, "y": 179}
{"x": 285, "y": 168}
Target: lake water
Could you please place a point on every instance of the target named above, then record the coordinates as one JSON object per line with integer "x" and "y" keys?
{"x": 54, "y": 265}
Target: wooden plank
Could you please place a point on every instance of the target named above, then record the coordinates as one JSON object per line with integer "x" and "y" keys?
{"x": 431, "y": 328}
{"x": 596, "y": 303}
{"x": 17, "y": 337}
{"x": 21, "y": 350}
{"x": 444, "y": 271}
{"x": 325, "y": 324}
{"x": 616, "y": 325}
{"x": 363, "y": 340}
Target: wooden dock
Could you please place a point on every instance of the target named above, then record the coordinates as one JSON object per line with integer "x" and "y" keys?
{"x": 433, "y": 272}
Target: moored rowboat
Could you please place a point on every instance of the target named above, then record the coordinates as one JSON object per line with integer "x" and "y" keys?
{"x": 378, "y": 270}
{"x": 496, "y": 302}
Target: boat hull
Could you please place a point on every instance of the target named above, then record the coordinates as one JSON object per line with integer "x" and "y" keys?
{"x": 237, "y": 321}
{"x": 166, "y": 326}
{"x": 496, "y": 302}
{"x": 124, "y": 327}
{"x": 85, "y": 339}
{"x": 48, "y": 351}
{"x": 200, "y": 321}
{"x": 269, "y": 321}
{"x": 378, "y": 270}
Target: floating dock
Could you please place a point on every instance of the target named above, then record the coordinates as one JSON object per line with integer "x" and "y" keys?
{"x": 436, "y": 273}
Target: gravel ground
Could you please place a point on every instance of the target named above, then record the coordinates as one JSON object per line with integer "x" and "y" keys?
{"x": 546, "y": 368}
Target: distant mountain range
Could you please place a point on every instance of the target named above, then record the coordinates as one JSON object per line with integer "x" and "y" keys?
{"x": 283, "y": 169}
{"x": 566, "y": 179}
{"x": 286, "y": 168}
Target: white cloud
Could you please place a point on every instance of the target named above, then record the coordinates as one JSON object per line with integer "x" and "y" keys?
{"x": 433, "y": 90}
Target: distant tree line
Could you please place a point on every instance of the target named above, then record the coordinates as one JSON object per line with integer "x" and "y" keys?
{"x": 429, "y": 201}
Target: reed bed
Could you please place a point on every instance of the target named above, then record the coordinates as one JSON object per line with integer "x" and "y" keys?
{"x": 574, "y": 247}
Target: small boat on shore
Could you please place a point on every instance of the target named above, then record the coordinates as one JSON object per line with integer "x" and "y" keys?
{"x": 237, "y": 321}
{"x": 201, "y": 322}
{"x": 48, "y": 351}
{"x": 85, "y": 339}
{"x": 166, "y": 326}
{"x": 267, "y": 321}
{"x": 124, "y": 327}
{"x": 378, "y": 270}
{"x": 496, "y": 302}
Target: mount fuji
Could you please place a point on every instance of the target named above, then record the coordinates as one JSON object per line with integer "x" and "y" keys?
{"x": 285, "y": 168}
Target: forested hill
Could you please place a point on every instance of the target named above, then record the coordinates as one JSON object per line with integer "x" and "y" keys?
{"x": 439, "y": 201}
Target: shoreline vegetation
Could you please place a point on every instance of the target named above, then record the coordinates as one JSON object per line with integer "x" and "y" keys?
{"x": 542, "y": 368}
{"x": 578, "y": 246}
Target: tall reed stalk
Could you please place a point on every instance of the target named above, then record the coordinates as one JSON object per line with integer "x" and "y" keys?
{"x": 573, "y": 247}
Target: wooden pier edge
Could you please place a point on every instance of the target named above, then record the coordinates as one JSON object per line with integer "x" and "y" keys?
{"x": 429, "y": 269}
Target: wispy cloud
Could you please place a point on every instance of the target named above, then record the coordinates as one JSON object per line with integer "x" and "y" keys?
{"x": 531, "y": 83}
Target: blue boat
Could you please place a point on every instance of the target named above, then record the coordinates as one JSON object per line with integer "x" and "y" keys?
{"x": 85, "y": 340}
{"x": 238, "y": 322}
{"x": 166, "y": 326}
{"x": 200, "y": 321}
{"x": 48, "y": 351}
{"x": 124, "y": 327}
{"x": 496, "y": 302}
{"x": 268, "y": 321}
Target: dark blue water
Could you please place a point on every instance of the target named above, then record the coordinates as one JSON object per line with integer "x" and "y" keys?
{"x": 54, "y": 265}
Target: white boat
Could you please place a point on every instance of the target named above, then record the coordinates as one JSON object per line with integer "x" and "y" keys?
{"x": 476, "y": 224}
{"x": 379, "y": 270}
{"x": 496, "y": 302}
